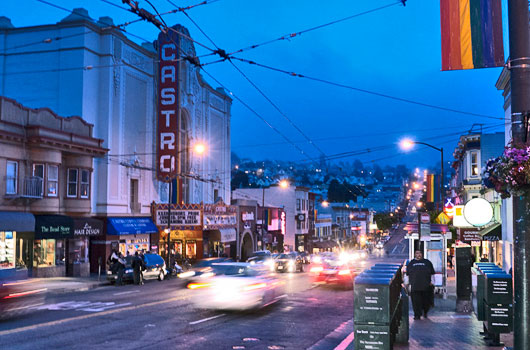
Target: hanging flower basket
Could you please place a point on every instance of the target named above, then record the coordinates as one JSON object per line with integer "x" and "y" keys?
{"x": 509, "y": 174}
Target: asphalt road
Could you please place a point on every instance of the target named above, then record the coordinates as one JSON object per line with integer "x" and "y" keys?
{"x": 158, "y": 316}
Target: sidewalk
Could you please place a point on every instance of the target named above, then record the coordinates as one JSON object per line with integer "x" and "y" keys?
{"x": 57, "y": 285}
{"x": 447, "y": 330}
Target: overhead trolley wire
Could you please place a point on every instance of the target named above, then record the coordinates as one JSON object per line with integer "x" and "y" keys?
{"x": 295, "y": 34}
{"x": 349, "y": 87}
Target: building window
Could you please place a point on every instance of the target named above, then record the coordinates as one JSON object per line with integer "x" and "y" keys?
{"x": 298, "y": 204}
{"x": 85, "y": 183}
{"x": 53, "y": 178}
{"x": 44, "y": 252}
{"x": 475, "y": 171}
{"x": 298, "y": 225}
{"x": 38, "y": 171}
{"x": 11, "y": 177}
{"x": 72, "y": 183}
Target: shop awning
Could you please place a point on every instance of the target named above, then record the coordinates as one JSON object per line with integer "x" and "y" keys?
{"x": 17, "y": 221}
{"x": 228, "y": 234}
{"x": 53, "y": 227}
{"x": 130, "y": 226}
{"x": 88, "y": 227}
{"x": 492, "y": 233}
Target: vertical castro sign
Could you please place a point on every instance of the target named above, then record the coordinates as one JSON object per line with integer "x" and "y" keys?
{"x": 168, "y": 105}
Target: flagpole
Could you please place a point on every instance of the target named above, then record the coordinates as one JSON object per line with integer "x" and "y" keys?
{"x": 519, "y": 64}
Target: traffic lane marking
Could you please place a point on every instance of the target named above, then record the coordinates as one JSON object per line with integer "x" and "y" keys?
{"x": 347, "y": 341}
{"x": 84, "y": 317}
{"x": 127, "y": 292}
{"x": 207, "y": 319}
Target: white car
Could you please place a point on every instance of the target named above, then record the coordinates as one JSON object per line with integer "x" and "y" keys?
{"x": 236, "y": 286}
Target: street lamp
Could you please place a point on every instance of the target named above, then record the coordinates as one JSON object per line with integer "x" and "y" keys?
{"x": 408, "y": 144}
{"x": 198, "y": 148}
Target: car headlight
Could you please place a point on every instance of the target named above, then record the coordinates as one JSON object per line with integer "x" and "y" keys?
{"x": 290, "y": 263}
{"x": 317, "y": 259}
{"x": 186, "y": 274}
{"x": 269, "y": 262}
{"x": 129, "y": 271}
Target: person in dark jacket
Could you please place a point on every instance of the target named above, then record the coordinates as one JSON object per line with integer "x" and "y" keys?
{"x": 121, "y": 269}
{"x": 137, "y": 265}
{"x": 420, "y": 271}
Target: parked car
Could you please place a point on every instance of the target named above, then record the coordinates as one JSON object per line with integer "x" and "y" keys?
{"x": 235, "y": 286}
{"x": 288, "y": 262}
{"x": 155, "y": 268}
{"x": 333, "y": 271}
{"x": 201, "y": 267}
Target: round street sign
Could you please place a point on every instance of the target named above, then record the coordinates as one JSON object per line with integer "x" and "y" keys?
{"x": 478, "y": 212}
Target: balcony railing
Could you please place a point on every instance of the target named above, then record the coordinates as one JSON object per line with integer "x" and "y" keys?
{"x": 32, "y": 187}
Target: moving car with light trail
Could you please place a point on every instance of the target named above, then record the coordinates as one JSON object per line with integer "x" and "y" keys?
{"x": 333, "y": 271}
{"x": 235, "y": 286}
{"x": 19, "y": 295}
{"x": 201, "y": 267}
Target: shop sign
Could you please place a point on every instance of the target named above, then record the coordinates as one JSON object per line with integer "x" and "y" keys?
{"x": 181, "y": 235}
{"x": 228, "y": 235}
{"x": 182, "y": 217}
{"x": 478, "y": 212}
{"x": 219, "y": 216}
{"x": 53, "y": 227}
{"x": 284, "y": 223}
{"x": 469, "y": 235}
{"x": 168, "y": 105}
{"x": 300, "y": 217}
{"x": 247, "y": 216}
{"x": 88, "y": 227}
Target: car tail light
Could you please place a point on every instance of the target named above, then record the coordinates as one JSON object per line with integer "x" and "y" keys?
{"x": 21, "y": 294}
{"x": 254, "y": 286}
{"x": 344, "y": 272}
{"x": 316, "y": 269}
{"x": 198, "y": 285}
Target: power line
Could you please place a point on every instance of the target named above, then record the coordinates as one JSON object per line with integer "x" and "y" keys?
{"x": 292, "y": 35}
{"x": 256, "y": 87}
{"x": 349, "y": 87}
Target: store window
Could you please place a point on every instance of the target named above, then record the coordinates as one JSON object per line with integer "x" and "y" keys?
{"x": 38, "y": 171}
{"x": 11, "y": 177}
{"x": 191, "y": 249}
{"x": 78, "y": 250}
{"x": 44, "y": 252}
{"x": 72, "y": 183}
{"x": 7, "y": 249}
{"x": 53, "y": 178}
{"x": 85, "y": 183}
{"x": 60, "y": 252}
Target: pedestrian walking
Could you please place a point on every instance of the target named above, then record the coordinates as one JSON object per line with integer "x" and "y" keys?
{"x": 137, "y": 265}
{"x": 121, "y": 269}
{"x": 420, "y": 271}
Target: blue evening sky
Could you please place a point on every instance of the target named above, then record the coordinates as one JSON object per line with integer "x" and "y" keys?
{"x": 393, "y": 51}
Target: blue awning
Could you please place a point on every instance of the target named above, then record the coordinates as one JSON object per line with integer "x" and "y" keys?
{"x": 17, "y": 221}
{"x": 130, "y": 226}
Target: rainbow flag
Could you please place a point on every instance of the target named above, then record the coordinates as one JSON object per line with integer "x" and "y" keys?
{"x": 471, "y": 34}
{"x": 430, "y": 188}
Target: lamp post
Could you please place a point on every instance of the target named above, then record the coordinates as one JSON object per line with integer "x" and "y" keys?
{"x": 199, "y": 149}
{"x": 407, "y": 144}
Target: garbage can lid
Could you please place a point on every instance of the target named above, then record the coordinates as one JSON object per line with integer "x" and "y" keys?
{"x": 372, "y": 280}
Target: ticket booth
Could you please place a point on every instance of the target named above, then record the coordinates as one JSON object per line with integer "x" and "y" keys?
{"x": 433, "y": 243}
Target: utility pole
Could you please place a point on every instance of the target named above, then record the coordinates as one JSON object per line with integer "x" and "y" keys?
{"x": 519, "y": 65}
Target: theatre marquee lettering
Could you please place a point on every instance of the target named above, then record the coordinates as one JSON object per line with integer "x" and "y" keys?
{"x": 179, "y": 217}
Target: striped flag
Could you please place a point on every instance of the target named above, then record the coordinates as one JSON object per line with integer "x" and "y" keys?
{"x": 471, "y": 34}
{"x": 430, "y": 188}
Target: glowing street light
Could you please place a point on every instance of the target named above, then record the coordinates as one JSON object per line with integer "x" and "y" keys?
{"x": 199, "y": 148}
{"x": 284, "y": 184}
{"x": 419, "y": 204}
{"x": 325, "y": 204}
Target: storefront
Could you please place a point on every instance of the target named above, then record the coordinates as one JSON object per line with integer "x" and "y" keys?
{"x": 16, "y": 241}
{"x": 52, "y": 233}
{"x": 492, "y": 243}
{"x": 219, "y": 234}
{"x": 132, "y": 234}
{"x": 186, "y": 235}
{"x": 78, "y": 264}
